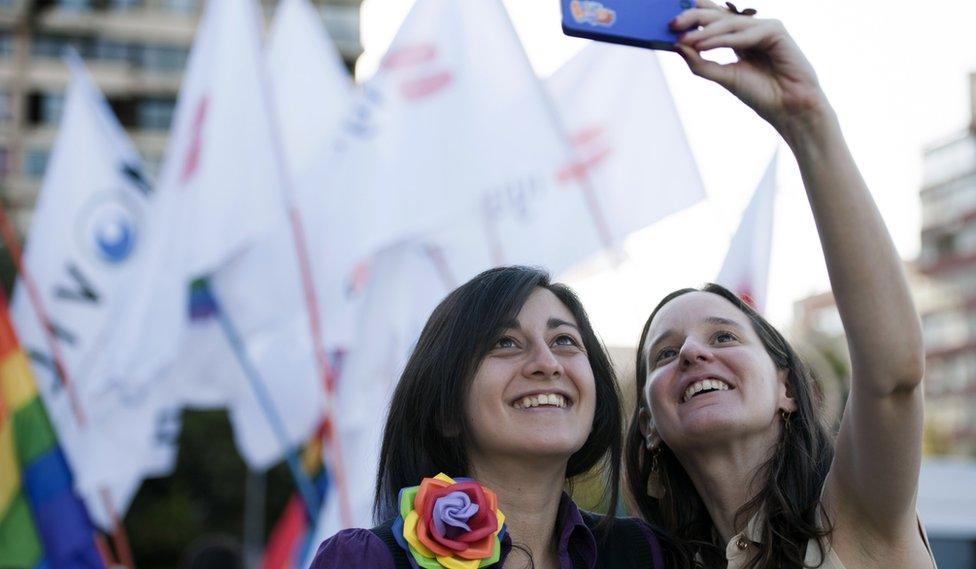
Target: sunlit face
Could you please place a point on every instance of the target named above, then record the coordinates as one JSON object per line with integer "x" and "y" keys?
{"x": 534, "y": 393}
{"x": 709, "y": 378}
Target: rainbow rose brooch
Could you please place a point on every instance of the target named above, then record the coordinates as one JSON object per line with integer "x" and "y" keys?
{"x": 448, "y": 523}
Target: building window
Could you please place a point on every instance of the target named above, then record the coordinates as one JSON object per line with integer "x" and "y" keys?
{"x": 109, "y": 50}
{"x": 7, "y": 47}
{"x": 182, "y": 6}
{"x": 155, "y": 114}
{"x": 35, "y": 163}
{"x": 162, "y": 58}
{"x": 79, "y": 5}
{"x": 124, "y": 4}
{"x": 53, "y": 46}
{"x": 44, "y": 109}
{"x": 5, "y": 103}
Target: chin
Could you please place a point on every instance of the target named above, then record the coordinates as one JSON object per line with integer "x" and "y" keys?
{"x": 714, "y": 423}
{"x": 546, "y": 446}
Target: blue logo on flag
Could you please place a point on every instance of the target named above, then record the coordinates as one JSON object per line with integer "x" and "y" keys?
{"x": 109, "y": 227}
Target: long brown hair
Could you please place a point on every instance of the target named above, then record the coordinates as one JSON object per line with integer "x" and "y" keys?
{"x": 791, "y": 479}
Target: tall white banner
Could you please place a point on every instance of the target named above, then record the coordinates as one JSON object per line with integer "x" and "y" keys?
{"x": 310, "y": 88}
{"x": 746, "y": 267}
{"x": 99, "y": 237}
{"x": 228, "y": 161}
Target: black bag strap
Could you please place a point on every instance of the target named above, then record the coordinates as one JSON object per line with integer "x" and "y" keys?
{"x": 385, "y": 533}
{"x": 623, "y": 546}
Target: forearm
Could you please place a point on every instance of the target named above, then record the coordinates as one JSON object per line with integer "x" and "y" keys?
{"x": 866, "y": 274}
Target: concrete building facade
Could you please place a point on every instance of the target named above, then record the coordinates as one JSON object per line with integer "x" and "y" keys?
{"x": 136, "y": 51}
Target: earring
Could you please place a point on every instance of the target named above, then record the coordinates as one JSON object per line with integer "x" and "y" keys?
{"x": 785, "y": 415}
{"x": 654, "y": 487}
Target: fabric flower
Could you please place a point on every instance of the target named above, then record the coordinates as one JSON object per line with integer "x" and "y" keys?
{"x": 448, "y": 523}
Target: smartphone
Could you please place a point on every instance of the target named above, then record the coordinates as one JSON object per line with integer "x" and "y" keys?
{"x": 641, "y": 23}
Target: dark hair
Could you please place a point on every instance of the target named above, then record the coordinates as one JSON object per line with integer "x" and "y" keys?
{"x": 425, "y": 434}
{"x": 791, "y": 479}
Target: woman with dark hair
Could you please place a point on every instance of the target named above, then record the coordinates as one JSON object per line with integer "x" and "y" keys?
{"x": 509, "y": 388}
{"x": 727, "y": 450}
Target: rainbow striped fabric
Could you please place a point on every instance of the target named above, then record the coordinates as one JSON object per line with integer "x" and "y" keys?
{"x": 43, "y": 523}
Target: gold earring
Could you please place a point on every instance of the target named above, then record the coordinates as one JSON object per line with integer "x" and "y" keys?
{"x": 785, "y": 415}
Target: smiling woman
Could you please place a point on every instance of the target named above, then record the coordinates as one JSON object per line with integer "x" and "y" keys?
{"x": 726, "y": 448}
{"x": 508, "y": 385}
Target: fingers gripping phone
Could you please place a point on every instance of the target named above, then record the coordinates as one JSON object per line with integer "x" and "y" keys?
{"x": 641, "y": 23}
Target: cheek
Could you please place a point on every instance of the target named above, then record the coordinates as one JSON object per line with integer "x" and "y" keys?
{"x": 655, "y": 393}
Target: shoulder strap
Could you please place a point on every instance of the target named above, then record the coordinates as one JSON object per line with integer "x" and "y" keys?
{"x": 385, "y": 533}
{"x": 623, "y": 546}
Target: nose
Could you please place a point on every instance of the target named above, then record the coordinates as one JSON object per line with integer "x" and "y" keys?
{"x": 543, "y": 364}
{"x": 693, "y": 352}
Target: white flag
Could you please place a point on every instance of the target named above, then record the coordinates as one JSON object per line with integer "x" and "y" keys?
{"x": 628, "y": 137}
{"x": 310, "y": 87}
{"x": 97, "y": 241}
{"x": 454, "y": 123}
{"x": 746, "y": 267}
{"x": 227, "y": 162}
{"x": 631, "y": 167}
{"x": 220, "y": 158}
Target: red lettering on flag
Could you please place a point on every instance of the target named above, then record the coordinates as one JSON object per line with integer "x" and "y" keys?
{"x": 192, "y": 161}
{"x": 415, "y": 89}
{"x": 409, "y": 56}
{"x": 592, "y": 151}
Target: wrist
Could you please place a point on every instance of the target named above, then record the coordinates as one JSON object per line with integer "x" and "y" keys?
{"x": 816, "y": 123}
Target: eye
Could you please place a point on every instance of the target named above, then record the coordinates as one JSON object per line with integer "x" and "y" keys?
{"x": 665, "y": 353}
{"x": 566, "y": 340}
{"x": 725, "y": 337}
{"x": 506, "y": 342}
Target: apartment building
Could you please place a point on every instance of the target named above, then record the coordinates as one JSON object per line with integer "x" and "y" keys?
{"x": 136, "y": 50}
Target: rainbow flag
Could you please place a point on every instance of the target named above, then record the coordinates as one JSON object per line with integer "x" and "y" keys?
{"x": 290, "y": 540}
{"x": 43, "y": 523}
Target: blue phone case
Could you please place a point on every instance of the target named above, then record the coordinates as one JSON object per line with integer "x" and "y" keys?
{"x": 641, "y": 23}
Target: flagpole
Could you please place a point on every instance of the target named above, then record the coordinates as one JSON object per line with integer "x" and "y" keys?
{"x": 119, "y": 538}
{"x": 311, "y": 300}
{"x": 260, "y": 390}
{"x": 13, "y": 245}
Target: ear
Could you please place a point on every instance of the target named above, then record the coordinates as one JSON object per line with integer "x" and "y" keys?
{"x": 646, "y": 423}
{"x": 786, "y": 401}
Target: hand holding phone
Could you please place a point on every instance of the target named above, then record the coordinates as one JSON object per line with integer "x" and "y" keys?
{"x": 641, "y": 23}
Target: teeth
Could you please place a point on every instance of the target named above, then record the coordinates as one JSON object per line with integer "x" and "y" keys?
{"x": 547, "y": 399}
{"x": 704, "y": 385}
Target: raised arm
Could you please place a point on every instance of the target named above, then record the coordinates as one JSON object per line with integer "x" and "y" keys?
{"x": 871, "y": 488}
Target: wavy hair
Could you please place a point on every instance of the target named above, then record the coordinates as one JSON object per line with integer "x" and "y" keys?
{"x": 791, "y": 479}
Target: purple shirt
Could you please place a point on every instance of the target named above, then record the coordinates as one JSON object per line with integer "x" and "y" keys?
{"x": 361, "y": 548}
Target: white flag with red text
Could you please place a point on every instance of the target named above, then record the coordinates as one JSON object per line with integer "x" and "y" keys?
{"x": 454, "y": 128}
{"x": 227, "y": 161}
{"x": 631, "y": 166}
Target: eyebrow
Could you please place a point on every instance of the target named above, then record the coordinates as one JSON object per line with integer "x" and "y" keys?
{"x": 550, "y": 324}
{"x": 709, "y": 320}
{"x": 557, "y": 322}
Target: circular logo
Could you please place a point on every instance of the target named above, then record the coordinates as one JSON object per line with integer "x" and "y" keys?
{"x": 109, "y": 227}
